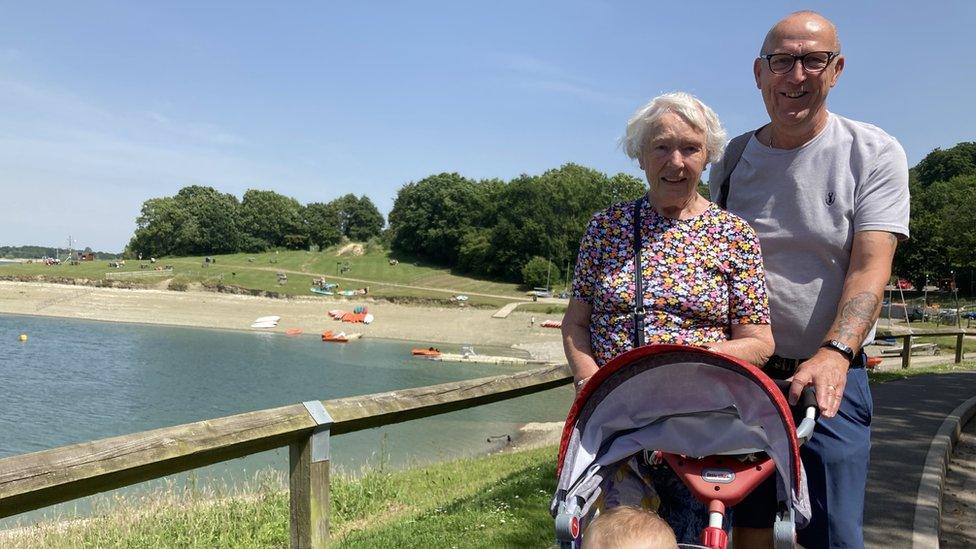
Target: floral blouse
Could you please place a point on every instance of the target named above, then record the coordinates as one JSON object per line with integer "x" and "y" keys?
{"x": 700, "y": 276}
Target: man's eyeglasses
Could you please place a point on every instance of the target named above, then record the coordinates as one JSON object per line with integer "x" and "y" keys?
{"x": 814, "y": 61}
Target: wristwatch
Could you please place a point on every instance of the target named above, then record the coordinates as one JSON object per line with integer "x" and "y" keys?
{"x": 840, "y": 348}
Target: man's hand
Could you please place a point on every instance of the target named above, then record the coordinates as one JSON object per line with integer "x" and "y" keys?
{"x": 827, "y": 372}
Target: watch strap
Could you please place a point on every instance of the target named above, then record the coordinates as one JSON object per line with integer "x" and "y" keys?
{"x": 840, "y": 347}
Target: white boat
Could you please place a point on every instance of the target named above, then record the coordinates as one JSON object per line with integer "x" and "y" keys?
{"x": 265, "y": 324}
{"x": 271, "y": 318}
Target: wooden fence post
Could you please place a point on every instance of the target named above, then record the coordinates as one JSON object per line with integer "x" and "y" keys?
{"x": 308, "y": 483}
{"x": 959, "y": 347}
{"x": 906, "y": 352}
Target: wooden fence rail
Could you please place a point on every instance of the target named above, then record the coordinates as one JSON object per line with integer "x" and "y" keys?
{"x": 35, "y": 480}
{"x": 906, "y": 354}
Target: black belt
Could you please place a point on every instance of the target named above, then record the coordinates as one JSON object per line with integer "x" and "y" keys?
{"x": 780, "y": 365}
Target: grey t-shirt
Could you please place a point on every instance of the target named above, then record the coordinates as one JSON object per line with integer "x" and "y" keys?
{"x": 806, "y": 204}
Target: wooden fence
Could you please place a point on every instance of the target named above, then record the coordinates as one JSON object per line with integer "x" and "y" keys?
{"x": 35, "y": 480}
{"x": 909, "y": 340}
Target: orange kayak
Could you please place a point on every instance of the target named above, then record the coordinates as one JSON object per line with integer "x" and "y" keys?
{"x": 293, "y": 331}
{"x": 426, "y": 352}
{"x": 340, "y": 337}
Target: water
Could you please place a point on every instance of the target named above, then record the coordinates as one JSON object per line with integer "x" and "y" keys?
{"x": 77, "y": 380}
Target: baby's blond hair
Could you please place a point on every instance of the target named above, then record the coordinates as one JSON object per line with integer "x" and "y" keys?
{"x": 625, "y": 527}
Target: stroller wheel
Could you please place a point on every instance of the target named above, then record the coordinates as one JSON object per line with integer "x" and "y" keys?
{"x": 567, "y": 527}
{"x": 784, "y": 534}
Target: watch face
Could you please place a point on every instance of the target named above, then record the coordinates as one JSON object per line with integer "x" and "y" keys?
{"x": 846, "y": 350}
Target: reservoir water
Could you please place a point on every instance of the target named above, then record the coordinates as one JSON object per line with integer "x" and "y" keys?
{"x": 76, "y": 380}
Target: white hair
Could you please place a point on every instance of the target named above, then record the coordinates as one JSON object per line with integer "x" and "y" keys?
{"x": 685, "y": 105}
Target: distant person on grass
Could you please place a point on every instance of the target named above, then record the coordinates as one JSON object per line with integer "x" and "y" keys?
{"x": 701, "y": 279}
{"x": 828, "y": 197}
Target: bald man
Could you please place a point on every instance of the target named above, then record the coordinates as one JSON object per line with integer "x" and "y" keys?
{"x": 828, "y": 197}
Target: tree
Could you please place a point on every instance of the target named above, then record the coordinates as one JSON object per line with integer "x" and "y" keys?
{"x": 156, "y": 227}
{"x": 430, "y": 217}
{"x": 943, "y": 222}
{"x": 539, "y": 272}
{"x": 359, "y": 219}
{"x": 272, "y": 220}
{"x": 546, "y": 215}
{"x": 197, "y": 221}
{"x": 475, "y": 252}
{"x": 943, "y": 165}
{"x": 213, "y": 224}
{"x": 324, "y": 224}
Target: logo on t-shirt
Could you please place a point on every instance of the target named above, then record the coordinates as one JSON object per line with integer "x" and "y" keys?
{"x": 830, "y": 199}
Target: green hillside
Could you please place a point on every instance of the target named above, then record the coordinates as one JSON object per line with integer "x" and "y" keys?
{"x": 352, "y": 266}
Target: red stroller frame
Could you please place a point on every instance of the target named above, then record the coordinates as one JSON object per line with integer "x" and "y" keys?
{"x": 701, "y": 409}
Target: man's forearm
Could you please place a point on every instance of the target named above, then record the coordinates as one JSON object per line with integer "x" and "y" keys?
{"x": 860, "y": 300}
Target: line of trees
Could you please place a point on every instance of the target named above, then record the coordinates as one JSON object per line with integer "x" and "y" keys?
{"x": 509, "y": 231}
{"x": 943, "y": 223}
{"x": 524, "y": 230}
{"x": 35, "y": 252}
{"x": 200, "y": 220}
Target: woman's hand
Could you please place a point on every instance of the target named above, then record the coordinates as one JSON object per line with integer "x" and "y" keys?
{"x": 578, "y": 384}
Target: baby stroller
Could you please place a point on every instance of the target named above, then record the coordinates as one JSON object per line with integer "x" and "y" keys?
{"x": 720, "y": 423}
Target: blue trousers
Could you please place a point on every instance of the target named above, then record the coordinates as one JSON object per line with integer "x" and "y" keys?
{"x": 836, "y": 464}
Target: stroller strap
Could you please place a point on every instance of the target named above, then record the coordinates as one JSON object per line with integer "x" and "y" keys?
{"x": 639, "y": 310}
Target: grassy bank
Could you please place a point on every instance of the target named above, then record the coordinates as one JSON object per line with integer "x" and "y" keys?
{"x": 350, "y": 267}
{"x": 493, "y": 501}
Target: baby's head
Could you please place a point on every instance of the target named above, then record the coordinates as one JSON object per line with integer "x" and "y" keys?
{"x": 625, "y": 527}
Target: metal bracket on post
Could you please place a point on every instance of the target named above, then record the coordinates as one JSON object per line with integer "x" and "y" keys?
{"x": 323, "y": 428}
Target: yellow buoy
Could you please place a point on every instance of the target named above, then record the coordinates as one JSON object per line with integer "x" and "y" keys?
{"x": 23, "y": 337}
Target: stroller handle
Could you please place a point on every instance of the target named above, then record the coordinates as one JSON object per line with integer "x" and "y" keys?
{"x": 807, "y": 405}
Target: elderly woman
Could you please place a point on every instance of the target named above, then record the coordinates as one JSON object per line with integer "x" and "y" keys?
{"x": 701, "y": 276}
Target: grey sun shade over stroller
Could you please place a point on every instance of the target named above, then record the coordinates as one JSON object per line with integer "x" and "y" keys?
{"x": 681, "y": 400}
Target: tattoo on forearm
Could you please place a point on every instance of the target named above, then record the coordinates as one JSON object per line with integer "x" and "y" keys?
{"x": 857, "y": 317}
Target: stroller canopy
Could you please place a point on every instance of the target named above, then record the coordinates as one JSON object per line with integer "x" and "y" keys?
{"x": 681, "y": 400}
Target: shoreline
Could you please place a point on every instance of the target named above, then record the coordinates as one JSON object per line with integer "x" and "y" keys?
{"x": 201, "y": 309}
{"x": 209, "y": 310}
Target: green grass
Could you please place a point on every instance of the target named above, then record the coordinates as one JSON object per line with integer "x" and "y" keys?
{"x": 925, "y": 326}
{"x": 543, "y": 308}
{"x": 891, "y": 375}
{"x": 259, "y": 272}
{"x": 493, "y": 501}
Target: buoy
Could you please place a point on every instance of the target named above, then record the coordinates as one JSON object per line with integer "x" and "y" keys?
{"x": 23, "y": 337}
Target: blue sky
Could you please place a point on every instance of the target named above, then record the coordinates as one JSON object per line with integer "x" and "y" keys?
{"x": 104, "y": 105}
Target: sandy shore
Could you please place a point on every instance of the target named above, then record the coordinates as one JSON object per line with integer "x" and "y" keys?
{"x": 448, "y": 325}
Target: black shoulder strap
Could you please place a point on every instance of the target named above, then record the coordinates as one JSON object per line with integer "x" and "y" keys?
{"x": 733, "y": 152}
{"x": 639, "y": 310}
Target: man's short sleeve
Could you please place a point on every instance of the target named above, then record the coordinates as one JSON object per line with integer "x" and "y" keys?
{"x": 881, "y": 201}
{"x": 715, "y": 175}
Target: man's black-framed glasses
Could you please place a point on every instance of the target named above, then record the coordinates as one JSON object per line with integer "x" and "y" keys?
{"x": 814, "y": 61}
